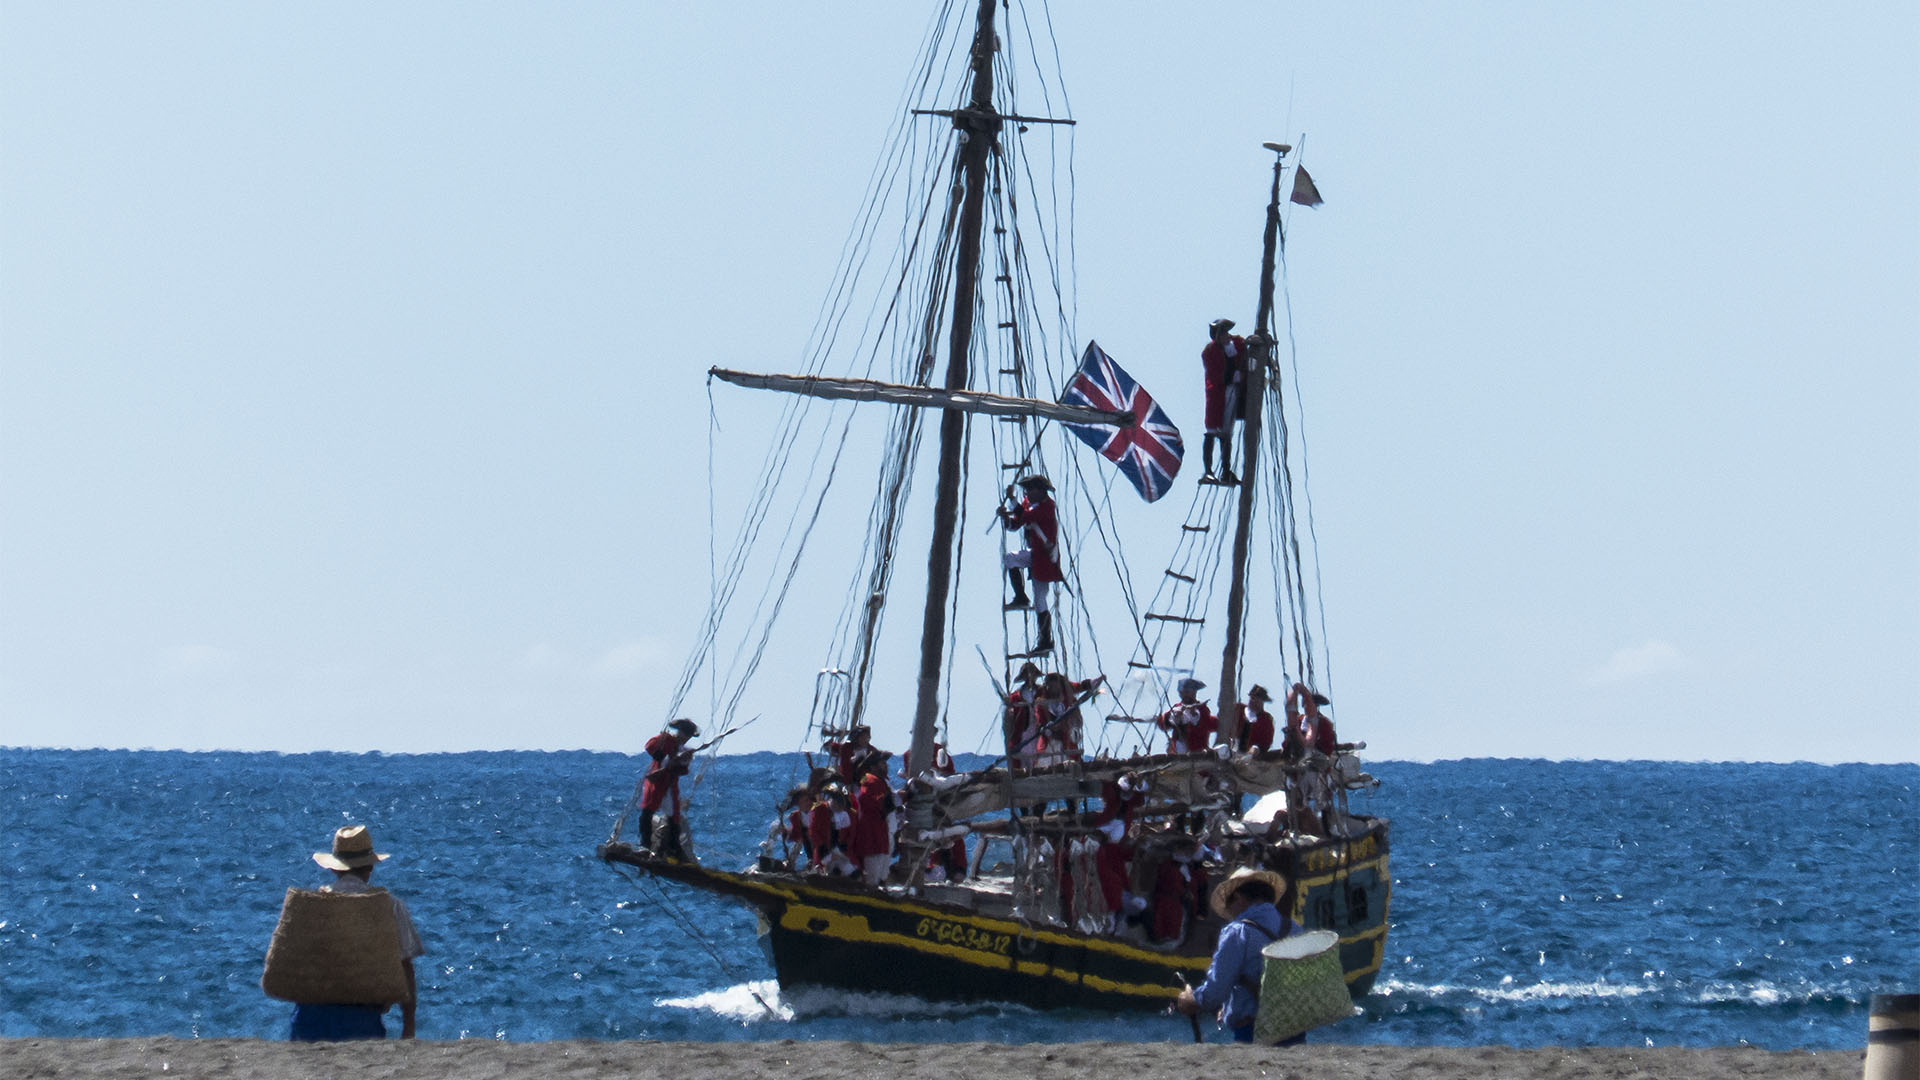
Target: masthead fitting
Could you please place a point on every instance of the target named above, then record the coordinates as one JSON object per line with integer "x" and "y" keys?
{"x": 1277, "y": 147}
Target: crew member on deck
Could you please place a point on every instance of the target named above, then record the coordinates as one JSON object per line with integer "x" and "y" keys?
{"x": 1189, "y": 724}
{"x": 671, "y": 760}
{"x": 799, "y": 817}
{"x": 850, "y": 753}
{"x": 1256, "y": 723}
{"x": 871, "y": 845}
{"x": 1039, "y": 524}
{"x": 1056, "y": 727}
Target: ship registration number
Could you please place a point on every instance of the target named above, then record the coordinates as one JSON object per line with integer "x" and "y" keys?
{"x": 970, "y": 937}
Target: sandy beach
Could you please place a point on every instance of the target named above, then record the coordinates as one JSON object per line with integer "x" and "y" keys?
{"x": 476, "y": 1059}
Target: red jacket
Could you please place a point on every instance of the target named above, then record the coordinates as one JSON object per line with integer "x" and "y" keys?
{"x": 1188, "y": 727}
{"x": 1258, "y": 734}
{"x": 1040, "y": 525}
{"x": 663, "y": 776}
{"x": 870, "y": 833}
{"x": 821, "y": 831}
{"x": 1222, "y": 371}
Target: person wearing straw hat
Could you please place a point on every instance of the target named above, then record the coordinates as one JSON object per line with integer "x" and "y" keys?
{"x": 352, "y": 860}
{"x": 1246, "y": 902}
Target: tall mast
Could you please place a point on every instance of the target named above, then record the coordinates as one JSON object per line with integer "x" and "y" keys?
{"x": 978, "y": 126}
{"x": 1254, "y": 393}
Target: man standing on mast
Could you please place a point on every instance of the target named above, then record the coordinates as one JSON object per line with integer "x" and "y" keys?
{"x": 1224, "y": 360}
{"x": 1039, "y": 524}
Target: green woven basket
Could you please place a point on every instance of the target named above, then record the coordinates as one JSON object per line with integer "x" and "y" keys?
{"x": 1302, "y": 986}
{"x": 336, "y": 949}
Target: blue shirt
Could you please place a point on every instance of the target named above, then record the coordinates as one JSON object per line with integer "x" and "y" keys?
{"x": 1233, "y": 979}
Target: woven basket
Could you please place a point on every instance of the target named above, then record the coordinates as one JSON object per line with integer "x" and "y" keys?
{"x": 1302, "y": 986}
{"x": 336, "y": 949}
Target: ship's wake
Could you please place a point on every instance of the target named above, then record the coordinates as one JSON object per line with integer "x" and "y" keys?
{"x": 763, "y": 1001}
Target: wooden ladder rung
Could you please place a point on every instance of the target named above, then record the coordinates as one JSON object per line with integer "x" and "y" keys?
{"x": 1176, "y": 618}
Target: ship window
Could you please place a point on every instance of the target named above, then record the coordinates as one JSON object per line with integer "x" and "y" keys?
{"x": 1323, "y": 911}
{"x": 1356, "y": 905}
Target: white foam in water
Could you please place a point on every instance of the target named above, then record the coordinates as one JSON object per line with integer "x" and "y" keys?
{"x": 743, "y": 1004}
{"x": 1510, "y": 992}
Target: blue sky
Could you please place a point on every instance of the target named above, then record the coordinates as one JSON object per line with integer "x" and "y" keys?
{"x": 352, "y": 357}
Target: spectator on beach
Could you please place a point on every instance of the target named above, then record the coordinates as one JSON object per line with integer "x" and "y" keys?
{"x": 1246, "y": 902}
{"x": 352, "y": 860}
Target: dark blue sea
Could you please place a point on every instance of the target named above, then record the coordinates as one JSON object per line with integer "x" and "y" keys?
{"x": 1535, "y": 903}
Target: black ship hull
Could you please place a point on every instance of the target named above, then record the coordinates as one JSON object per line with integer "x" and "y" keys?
{"x": 831, "y": 933}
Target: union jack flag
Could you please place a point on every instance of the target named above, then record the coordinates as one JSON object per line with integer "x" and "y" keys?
{"x": 1149, "y": 452}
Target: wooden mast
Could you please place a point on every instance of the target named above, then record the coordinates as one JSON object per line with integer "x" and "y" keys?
{"x": 978, "y": 127}
{"x": 1254, "y": 392}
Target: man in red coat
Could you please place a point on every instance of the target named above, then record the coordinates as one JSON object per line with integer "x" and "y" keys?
{"x": 1256, "y": 723}
{"x": 671, "y": 760}
{"x": 1039, "y": 524}
{"x": 1189, "y": 724}
{"x": 1224, "y": 360}
{"x": 871, "y": 846}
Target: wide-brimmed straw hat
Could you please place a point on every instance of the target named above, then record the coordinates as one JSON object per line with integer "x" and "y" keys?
{"x": 1224, "y": 891}
{"x": 352, "y": 849}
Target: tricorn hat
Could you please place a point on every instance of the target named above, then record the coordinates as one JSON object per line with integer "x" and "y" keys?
{"x": 1224, "y": 891}
{"x": 1191, "y": 683}
{"x": 1259, "y": 693}
{"x": 1035, "y": 480}
{"x": 686, "y": 729}
{"x": 1218, "y": 325}
{"x": 352, "y": 849}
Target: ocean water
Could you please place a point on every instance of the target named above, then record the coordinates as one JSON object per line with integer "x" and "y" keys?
{"x": 1535, "y": 903}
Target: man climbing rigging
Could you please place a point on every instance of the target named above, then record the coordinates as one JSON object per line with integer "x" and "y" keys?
{"x": 1039, "y": 524}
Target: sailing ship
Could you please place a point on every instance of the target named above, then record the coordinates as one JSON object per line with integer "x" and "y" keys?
{"x": 1017, "y": 913}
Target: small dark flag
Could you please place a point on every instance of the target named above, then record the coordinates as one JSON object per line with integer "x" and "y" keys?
{"x": 1304, "y": 192}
